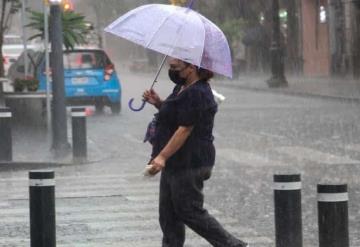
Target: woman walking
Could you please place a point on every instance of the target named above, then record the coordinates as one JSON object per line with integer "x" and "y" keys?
{"x": 183, "y": 151}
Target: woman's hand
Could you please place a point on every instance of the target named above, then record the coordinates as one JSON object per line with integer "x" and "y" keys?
{"x": 152, "y": 97}
{"x": 157, "y": 165}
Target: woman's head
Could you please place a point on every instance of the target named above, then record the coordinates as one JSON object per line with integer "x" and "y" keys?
{"x": 204, "y": 74}
{"x": 181, "y": 72}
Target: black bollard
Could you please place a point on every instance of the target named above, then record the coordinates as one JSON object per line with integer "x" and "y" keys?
{"x": 42, "y": 208}
{"x": 5, "y": 135}
{"x": 79, "y": 135}
{"x": 333, "y": 215}
{"x": 287, "y": 199}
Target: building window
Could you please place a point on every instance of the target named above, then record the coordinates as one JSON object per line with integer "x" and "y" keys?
{"x": 322, "y": 14}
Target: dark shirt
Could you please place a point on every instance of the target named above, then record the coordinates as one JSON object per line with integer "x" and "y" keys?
{"x": 195, "y": 106}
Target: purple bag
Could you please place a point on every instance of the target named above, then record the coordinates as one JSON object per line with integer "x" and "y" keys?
{"x": 151, "y": 129}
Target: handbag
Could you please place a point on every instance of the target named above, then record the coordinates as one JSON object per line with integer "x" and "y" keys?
{"x": 151, "y": 130}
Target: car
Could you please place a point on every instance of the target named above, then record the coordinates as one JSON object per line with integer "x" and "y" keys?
{"x": 12, "y": 48}
{"x": 90, "y": 78}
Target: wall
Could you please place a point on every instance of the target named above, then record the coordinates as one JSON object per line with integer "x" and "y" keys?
{"x": 315, "y": 41}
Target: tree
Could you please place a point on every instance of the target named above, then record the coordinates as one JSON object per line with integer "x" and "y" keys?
{"x": 75, "y": 28}
{"x": 8, "y": 8}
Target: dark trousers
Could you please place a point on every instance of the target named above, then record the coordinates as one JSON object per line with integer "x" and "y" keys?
{"x": 181, "y": 203}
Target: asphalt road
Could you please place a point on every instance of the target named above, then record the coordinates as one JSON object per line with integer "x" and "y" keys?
{"x": 257, "y": 134}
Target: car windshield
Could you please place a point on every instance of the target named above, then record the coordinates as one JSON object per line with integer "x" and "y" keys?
{"x": 85, "y": 60}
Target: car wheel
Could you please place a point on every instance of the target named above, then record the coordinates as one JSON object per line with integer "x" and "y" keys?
{"x": 115, "y": 108}
{"x": 99, "y": 107}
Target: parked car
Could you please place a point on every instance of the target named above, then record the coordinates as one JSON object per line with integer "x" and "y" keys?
{"x": 12, "y": 48}
{"x": 90, "y": 77}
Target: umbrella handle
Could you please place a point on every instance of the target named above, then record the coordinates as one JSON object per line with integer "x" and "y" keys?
{"x": 152, "y": 85}
{"x": 136, "y": 109}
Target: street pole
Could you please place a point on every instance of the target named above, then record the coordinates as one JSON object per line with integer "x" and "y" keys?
{"x": 47, "y": 70}
{"x": 24, "y": 34}
{"x": 60, "y": 143}
{"x": 276, "y": 51}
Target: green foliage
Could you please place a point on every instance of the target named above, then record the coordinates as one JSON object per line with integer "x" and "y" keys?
{"x": 75, "y": 28}
{"x": 29, "y": 83}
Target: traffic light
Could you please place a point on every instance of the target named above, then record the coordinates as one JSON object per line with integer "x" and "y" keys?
{"x": 67, "y": 5}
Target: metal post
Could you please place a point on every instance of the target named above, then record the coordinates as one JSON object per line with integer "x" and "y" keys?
{"x": 47, "y": 69}
{"x": 79, "y": 135}
{"x": 24, "y": 33}
{"x": 42, "y": 208}
{"x": 5, "y": 135}
{"x": 333, "y": 215}
{"x": 59, "y": 124}
{"x": 2, "y": 98}
{"x": 276, "y": 51}
{"x": 287, "y": 198}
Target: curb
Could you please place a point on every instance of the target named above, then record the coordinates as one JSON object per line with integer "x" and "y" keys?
{"x": 16, "y": 165}
{"x": 31, "y": 165}
{"x": 292, "y": 93}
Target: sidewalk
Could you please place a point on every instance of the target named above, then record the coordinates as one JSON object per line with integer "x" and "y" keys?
{"x": 108, "y": 203}
{"x": 24, "y": 139}
{"x": 332, "y": 88}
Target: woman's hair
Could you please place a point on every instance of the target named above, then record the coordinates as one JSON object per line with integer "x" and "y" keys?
{"x": 204, "y": 74}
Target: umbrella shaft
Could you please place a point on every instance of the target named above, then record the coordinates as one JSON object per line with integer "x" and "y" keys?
{"x": 189, "y": 5}
{"x": 158, "y": 72}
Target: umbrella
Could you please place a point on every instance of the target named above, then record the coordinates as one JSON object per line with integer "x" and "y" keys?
{"x": 177, "y": 32}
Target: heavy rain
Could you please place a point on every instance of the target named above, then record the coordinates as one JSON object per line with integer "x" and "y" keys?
{"x": 286, "y": 132}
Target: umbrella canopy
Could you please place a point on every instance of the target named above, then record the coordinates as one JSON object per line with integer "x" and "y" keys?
{"x": 177, "y": 32}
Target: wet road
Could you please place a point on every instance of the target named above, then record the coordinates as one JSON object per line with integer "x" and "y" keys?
{"x": 109, "y": 203}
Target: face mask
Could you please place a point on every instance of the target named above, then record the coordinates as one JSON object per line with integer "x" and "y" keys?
{"x": 174, "y": 76}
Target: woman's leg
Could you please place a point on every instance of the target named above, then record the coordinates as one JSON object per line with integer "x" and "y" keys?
{"x": 172, "y": 227}
{"x": 188, "y": 200}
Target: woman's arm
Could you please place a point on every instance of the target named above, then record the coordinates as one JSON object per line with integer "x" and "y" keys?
{"x": 175, "y": 143}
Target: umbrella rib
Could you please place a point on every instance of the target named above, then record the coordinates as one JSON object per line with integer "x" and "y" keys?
{"x": 153, "y": 36}
{"x": 203, "y": 47}
{"x": 165, "y": 19}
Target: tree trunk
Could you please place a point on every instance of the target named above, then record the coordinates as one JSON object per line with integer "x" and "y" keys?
{"x": 356, "y": 42}
{"x": 337, "y": 36}
{"x": 2, "y": 70}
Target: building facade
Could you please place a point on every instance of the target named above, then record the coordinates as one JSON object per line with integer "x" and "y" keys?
{"x": 330, "y": 37}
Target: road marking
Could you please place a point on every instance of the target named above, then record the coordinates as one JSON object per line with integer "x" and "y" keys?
{"x": 353, "y": 147}
{"x": 129, "y": 219}
{"x": 273, "y": 136}
{"x": 308, "y": 154}
{"x": 246, "y": 158}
